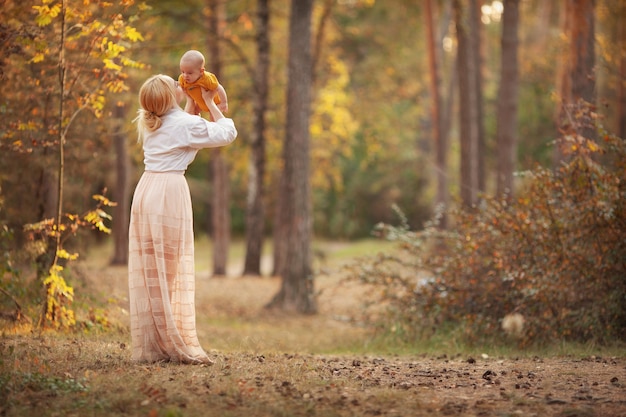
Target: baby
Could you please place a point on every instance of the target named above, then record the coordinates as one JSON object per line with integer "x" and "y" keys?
{"x": 194, "y": 78}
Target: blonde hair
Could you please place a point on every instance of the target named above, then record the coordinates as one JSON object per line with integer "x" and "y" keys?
{"x": 156, "y": 96}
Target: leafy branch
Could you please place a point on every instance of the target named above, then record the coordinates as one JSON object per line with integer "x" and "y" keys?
{"x": 91, "y": 54}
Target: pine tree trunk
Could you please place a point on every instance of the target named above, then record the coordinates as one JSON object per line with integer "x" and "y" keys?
{"x": 621, "y": 113}
{"x": 467, "y": 107}
{"x": 577, "y": 77}
{"x": 582, "y": 51}
{"x": 441, "y": 197}
{"x": 583, "y": 57}
{"x": 506, "y": 134}
{"x": 280, "y": 230}
{"x": 297, "y": 293}
{"x": 255, "y": 210}
{"x": 220, "y": 214}
{"x": 476, "y": 35}
{"x": 121, "y": 213}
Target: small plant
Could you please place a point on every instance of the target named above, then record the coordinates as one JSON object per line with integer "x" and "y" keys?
{"x": 59, "y": 295}
{"x": 40, "y": 382}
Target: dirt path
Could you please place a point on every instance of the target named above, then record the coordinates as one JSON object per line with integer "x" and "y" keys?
{"x": 271, "y": 365}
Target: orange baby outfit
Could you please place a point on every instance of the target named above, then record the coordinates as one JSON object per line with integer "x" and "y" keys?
{"x": 208, "y": 81}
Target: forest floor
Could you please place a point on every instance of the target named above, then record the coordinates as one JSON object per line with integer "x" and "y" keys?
{"x": 268, "y": 364}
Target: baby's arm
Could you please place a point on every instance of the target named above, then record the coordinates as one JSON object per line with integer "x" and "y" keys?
{"x": 221, "y": 93}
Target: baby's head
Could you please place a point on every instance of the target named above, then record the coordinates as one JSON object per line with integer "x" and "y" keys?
{"x": 192, "y": 65}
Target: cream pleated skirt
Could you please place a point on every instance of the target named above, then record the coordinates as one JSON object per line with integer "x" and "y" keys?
{"x": 161, "y": 271}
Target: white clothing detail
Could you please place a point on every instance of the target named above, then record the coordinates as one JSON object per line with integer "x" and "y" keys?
{"x": 174, "y": 145}
{"x": 161, "y": 274}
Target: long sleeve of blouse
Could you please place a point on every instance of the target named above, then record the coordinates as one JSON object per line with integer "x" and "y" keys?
{"x": 174, "y": 145}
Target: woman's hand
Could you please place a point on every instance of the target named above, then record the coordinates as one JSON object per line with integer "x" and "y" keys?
{"x": 208, "y": 97}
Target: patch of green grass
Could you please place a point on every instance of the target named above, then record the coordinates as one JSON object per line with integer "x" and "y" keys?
{"x": 55, "y": 385}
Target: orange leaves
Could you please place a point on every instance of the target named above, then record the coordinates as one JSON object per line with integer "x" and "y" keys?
{"x": 246, "y": 21}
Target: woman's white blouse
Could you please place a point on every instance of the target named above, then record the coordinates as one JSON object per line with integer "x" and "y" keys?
{"x": 174, "y": 145}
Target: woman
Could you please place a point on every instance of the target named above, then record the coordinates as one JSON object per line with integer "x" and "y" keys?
{"x": 161, "y": 241}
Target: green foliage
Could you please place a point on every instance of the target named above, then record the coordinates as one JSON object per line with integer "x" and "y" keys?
{"x": 547, "y": 265}
{"x": 37, "y": 382}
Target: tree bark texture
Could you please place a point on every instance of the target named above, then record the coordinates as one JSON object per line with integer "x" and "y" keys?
{"x": 220, "y": 214}
{"x": 476, "y": 29}
{"x": 280, "y": 230}
{"x": 467, "y": 106}
{"x": 582, "y": 52}
{"x": 255, "y": 210}
{"x": 506, "y": 129}
{"x": 577, "y": 78}
{"x": 296, "y": 293}
{"x": 621, "y": 113}
{"x": 584, "y": 58}
{"x": 441, "y": 196}
{"x": 121, "y": 213}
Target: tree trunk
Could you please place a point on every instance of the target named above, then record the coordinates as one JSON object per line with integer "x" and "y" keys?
{"x": 220, "y": 215}
{"x": 296, "y": 293}
{"x": 582, "y": 52}
{"x": 280, "y": 231}
{"x": 121, "y": 213}
{"x": 47, "y": 190}
{"x": 563, "y": 81}
{"x": 255, "y": 211}
{"x": 325, "y": 16}
{"x": 621, "y": 112}
{"x": 476, "y": 35}
{"x": 279, "y": 235}
{"x": 441, "y": 196}
{"x": 583, "y": 58}
{"x": 449, "y": 92}
{"x": 467, "y": 107}
{"x": 506, "y": 130}
{"x": 577, "y": 79}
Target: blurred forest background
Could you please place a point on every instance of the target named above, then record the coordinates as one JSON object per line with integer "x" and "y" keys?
{"x": 409, "y": 113}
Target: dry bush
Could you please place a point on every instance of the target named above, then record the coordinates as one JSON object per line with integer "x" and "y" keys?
{"x": 556, "y": 255}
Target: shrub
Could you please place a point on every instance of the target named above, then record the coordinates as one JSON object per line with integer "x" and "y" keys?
{"x": 554, "y": 256}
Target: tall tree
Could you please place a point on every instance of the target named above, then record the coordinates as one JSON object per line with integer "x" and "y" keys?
{"x": 255, "y": 210}
{"x": 441, "y": 197}
{"x": 296, "y": 293}
{"x": 476, "y": 38}
{"x": 621, "y": 105}
{"x": 317, "y": 59}
{"x": 220, "y": 213}
{"x": 468, "y": 98}
{"x": 582, "y": 49}
{"x": 121, "y": 213}
{"x": 577, "y": 78}
{"x": 506, "y": 129}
